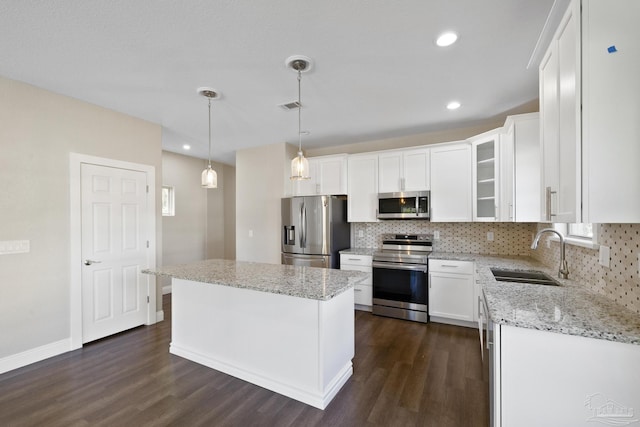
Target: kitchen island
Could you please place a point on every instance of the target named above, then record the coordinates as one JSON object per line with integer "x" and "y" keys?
{"x": 286, "y": 328}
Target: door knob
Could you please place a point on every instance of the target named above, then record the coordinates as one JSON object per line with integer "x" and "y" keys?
{"x": 90, "y": 261}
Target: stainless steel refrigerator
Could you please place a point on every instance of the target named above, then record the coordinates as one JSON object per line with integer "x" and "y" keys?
{"x": 314, "y": 229}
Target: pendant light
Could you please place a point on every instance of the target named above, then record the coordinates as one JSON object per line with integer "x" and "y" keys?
{"x": 209, "y": 176}
{"x": 299, "y": 164}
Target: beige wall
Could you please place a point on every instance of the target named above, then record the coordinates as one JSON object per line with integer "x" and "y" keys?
{"x": 204, "y": 221}
{"x": 230, "y": 212}
{"x": 38, "y": 130}
{"x": 260, "y": 184}
{"x": 184, "y": 235}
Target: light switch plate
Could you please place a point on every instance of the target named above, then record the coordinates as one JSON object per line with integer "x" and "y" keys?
{"x": 604, "y": 255}
{"x": 436, "y": 235}
{"x": 490, "y": 236}
{"x": 360, "y": 233}
{"x": 14, "y": 247}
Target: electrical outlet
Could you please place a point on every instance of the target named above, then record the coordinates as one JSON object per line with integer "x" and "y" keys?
{"x": 490, "y": 236}
{"x": 548, "y": 243}
{"x": 360, "y": 233}
{"x": 436, "y": 235}
{"x": 250, "y": 233}
{"x": 604, "y": 255}
{"x": 638, "y": 264}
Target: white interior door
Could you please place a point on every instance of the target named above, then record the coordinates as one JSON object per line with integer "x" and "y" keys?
{"x": 114, "y": 250}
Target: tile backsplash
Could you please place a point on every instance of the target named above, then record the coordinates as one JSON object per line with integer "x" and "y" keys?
{"x": 619, "y": 282}
{"x": 460, "y": 237}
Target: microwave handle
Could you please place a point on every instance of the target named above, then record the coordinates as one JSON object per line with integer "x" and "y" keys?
{"x": 417, "y": 206}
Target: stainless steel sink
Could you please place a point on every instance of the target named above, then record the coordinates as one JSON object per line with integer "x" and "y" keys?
{"x": 521, "y": 276}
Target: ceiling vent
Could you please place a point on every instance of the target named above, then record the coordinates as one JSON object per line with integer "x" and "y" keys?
{"x": 290, "y": 105}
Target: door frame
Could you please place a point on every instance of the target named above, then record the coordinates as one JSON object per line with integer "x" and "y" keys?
{"x": 75, "y": 214}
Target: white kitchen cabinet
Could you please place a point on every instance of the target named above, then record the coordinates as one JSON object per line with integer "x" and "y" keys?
{"x": 520, "y": 174}
{"x": 560, "y": 121}
{"x": 403, "y": 170}
{"x": 610, "y": 111}
{"x": 485, "y": 160}
{"x": 452, "y": 292}
{"x": 551, "y": 379}
{"x": 328, "y": 177}
{"x": 362, "y": 188}
{"x": 363, "y": 291}
{"x": 451, "y": 190}
{"x": 589, "y": 113}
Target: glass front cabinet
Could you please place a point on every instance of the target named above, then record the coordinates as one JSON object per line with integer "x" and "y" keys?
{"x": 486, "y": 189}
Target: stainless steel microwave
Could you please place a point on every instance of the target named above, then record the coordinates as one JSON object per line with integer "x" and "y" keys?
{"x": 405, "y": 205}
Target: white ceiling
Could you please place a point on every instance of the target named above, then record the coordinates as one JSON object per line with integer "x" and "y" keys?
{"x": 377, "y": 71}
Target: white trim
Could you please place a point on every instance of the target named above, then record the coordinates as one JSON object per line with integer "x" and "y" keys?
{"x": 75, "y": 162}
{"x": 159, "y": 316}
{"x": 34, "y": 355}
{"x": 585, "y": 242}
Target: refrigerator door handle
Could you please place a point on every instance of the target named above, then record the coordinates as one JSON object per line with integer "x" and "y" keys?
{"x": 301, "y": 220}
{"x": 304, "y": 226}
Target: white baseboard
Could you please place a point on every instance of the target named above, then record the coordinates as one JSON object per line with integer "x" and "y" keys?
{"x": 34, "y": 355}
{"x": 454, "y": 322}
{"x": 166, "y": 289}
{"x": 313, "y": 398}
{"x": 159, "y": 316}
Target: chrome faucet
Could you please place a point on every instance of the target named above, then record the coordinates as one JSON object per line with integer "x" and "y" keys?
{"x": 563, "y": 271}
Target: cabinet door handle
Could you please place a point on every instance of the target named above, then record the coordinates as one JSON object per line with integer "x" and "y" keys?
{"x": 449, "y": 266}
{"x": 548, "y": 202}
{"x": 357, "y": 290}
{"x": 353, "y": 259}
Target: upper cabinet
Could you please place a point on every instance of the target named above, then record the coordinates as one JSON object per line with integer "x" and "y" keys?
{"x": 328, "y": 177}
{"x": 485, "y": 160}
{"x": 406, "y": 170}
{"x": 451, "y": 189}
{"x": 560, "y": 121}
{"x": 589, "y": 113}
{"x": 362, "y": 193}
{"x": 611, "y": 111}
{"x": 520, "y": 172}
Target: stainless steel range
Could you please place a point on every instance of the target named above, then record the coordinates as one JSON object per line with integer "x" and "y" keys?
{"x": 400, "y": 277}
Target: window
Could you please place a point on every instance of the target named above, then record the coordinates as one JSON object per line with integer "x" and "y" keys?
{"x": 583, "y": 234}
{"x": 168, "y": 201}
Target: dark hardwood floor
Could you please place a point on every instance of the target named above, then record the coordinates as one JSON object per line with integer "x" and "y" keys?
{"x": 405, "y": 374}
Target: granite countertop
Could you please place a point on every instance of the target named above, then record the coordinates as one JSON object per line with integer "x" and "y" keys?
{"x": 359, "y": 251}
{"x": 303, "y": 282}
{"x": 567, "y": 309}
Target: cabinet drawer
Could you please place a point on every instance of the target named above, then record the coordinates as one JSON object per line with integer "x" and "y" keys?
{"x": 363, "y": 295}
{"x": 349, "y": 259}
{"x": 446, "y": 266}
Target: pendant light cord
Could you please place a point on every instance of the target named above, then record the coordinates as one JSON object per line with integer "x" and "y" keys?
{"x": 299, "y": 113}
{"x": 209, "y": 133}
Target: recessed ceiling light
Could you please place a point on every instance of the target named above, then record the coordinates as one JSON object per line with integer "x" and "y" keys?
{"x": 447, "y": 39}
{"x": 453, "y": 105}
{"x": 186, "y": 147}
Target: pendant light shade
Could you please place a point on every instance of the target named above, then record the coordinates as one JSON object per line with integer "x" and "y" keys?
{"x": 299, "y": 164}
{"x": 209, "y": 177}
{"x": 300, "y": 167}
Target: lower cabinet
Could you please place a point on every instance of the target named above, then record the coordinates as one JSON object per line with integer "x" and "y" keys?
{"x": 452, "y": 292}
{"x": 363, "y": 291}
{"x": 551, "y": 379}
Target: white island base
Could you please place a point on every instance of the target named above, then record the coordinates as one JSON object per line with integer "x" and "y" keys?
{"x": 298, "y": 347}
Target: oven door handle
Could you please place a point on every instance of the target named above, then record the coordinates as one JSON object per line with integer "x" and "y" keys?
{"x": 400, "y": 266}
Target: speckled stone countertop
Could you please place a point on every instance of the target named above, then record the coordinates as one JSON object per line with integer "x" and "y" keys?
{"x": 566, "y": 309}
{"x": 359, "y": 251}
{"x": 304, "y": 282}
